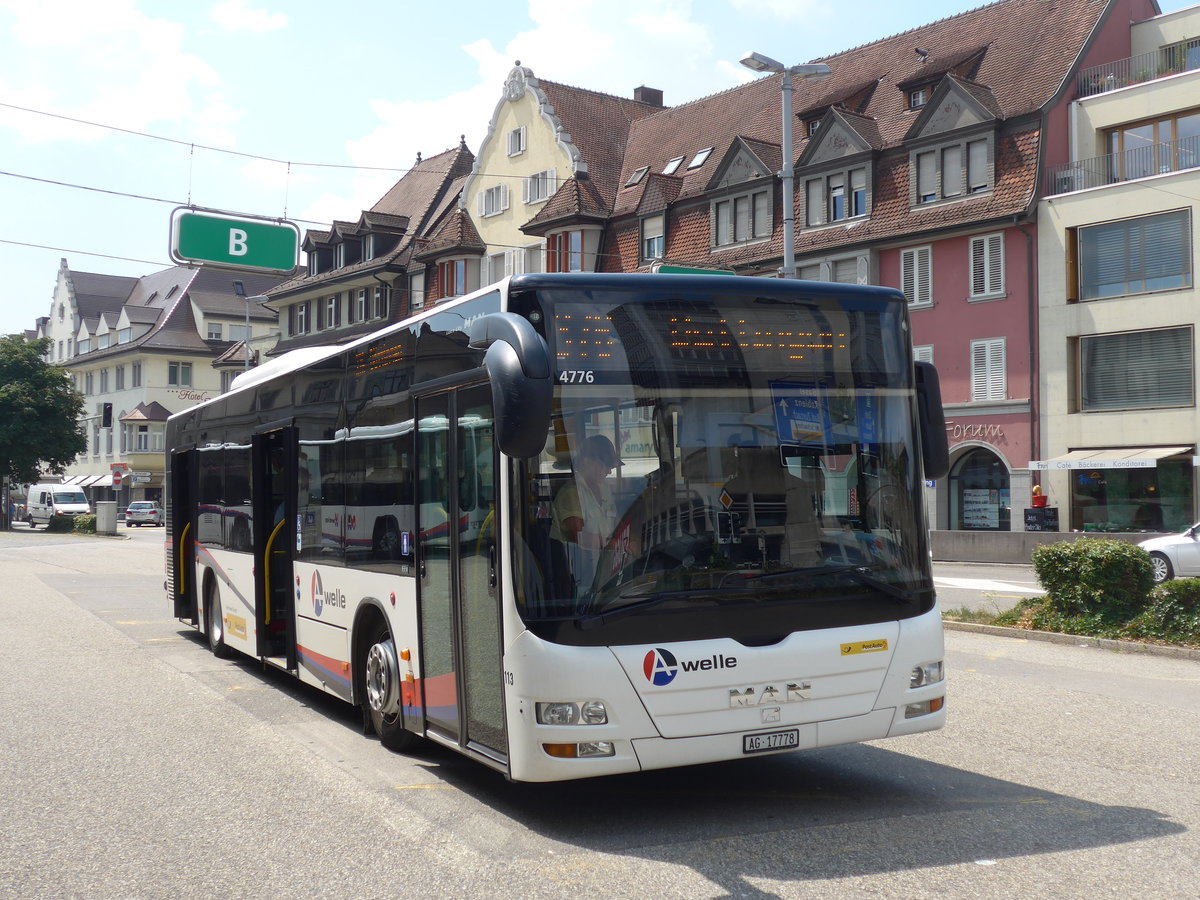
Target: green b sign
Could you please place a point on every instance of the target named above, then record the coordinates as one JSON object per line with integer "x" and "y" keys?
{"x": 234, "y": 242}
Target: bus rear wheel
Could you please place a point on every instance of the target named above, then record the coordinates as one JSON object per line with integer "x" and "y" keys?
{"x": 214, "y": 624}
{"x": 381, "y": 681}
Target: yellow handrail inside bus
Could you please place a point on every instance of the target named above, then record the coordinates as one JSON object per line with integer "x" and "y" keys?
{"x": 267, "y": 572}
{"x": 182, "y": 567}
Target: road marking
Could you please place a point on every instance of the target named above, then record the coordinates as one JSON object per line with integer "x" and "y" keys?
{"x": 983, "y": 584}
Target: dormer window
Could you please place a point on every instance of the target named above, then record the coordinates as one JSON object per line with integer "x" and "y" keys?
{"x": 951, "y": 171}
{"x": 918, "y": 98}
{"x": 638, "y": 175}
{"x": 742, "y": 218}
{"x": 813, "y": 125}
{"x": 653, "y": 237}
{"x": 700, "y": 158}
{"x": 836, "y": 196}
{"x": 672, "y": 165}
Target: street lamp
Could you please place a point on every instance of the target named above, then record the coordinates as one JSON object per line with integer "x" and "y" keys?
{"x": 759, "y": 63}
{"x": 240, "y": 290}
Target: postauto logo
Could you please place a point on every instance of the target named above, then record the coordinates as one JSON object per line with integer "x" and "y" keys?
{"x": 661, "y": 666}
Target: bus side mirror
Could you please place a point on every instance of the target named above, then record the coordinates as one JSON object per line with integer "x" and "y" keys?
{"x": 935, "y": 449}
{"x": 518, "y": 365}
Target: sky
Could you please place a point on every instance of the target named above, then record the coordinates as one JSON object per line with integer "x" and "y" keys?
{"x": 115, "y": 113}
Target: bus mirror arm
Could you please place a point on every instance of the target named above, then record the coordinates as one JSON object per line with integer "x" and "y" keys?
{"x": 935, "y": 449}
{"x": 518, "y": 365}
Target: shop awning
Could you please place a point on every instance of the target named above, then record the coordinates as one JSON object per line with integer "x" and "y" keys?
{"x": 1112, "y": 458}
{"x": 101, "y": 481}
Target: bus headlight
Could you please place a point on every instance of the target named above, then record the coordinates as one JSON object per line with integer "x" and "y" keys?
{"x": 926, "y": 673}
{"x": 566, "y": 712}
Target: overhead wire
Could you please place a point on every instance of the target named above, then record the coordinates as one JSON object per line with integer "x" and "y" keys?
{"x": 192, "y": 147}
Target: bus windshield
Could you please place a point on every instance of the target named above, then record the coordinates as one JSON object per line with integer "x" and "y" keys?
{"x": 749, "y": 458}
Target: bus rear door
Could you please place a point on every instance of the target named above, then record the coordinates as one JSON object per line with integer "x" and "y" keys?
{"x": 274, "y": 463}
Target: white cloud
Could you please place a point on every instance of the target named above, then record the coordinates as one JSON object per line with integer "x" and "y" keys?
{"x": 108, "y": 63}
{"x": 595, "y": 44}
{"x": 234, "y": 15}
{"x": 787, "y": 10}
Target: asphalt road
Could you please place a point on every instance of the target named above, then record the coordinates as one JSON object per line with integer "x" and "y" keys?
{"x": 137, "y": 765}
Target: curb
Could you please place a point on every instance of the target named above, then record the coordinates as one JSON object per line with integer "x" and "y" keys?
{"x": 1051, "y": 637}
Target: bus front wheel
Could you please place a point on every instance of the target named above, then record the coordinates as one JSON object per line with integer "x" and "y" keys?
{"x": 381, "y": 680}
{"x": 214, "y": 625}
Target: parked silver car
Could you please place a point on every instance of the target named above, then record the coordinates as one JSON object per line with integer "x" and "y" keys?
{"x": 1176, "y": 555}
{"x": 144, "y": 512}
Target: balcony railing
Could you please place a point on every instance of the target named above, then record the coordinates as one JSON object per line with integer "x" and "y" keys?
{"x": 1141, "y": 162}
{"x": 1181, "y": 57}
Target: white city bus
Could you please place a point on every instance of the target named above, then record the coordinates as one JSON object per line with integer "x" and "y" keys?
{"x": 384, "y": 520}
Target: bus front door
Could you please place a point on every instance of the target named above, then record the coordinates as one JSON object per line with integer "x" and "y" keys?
{"x": 461, "y": 627}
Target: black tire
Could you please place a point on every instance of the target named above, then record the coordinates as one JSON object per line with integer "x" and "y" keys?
{"x": 1163, "y": 571}
{"x": 214, "y": 625}
{"x": 380, "y": 673}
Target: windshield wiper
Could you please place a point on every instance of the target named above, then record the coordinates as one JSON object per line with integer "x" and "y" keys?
{"x": 861, "y": 574}
{"x": 591, "y": 620}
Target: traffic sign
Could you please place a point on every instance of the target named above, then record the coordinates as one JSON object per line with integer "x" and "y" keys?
{"x": 234, "y": 242}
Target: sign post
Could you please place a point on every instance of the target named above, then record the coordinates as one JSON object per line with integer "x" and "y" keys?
{"x": 227, "y": 241}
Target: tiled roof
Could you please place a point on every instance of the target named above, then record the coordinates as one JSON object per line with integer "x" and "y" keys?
{"x": 854, "y": 97}
{"x": 457, "y": 233}
{"x": 377, "y": 221}
{"x": 598, "y": 125}
{"x": 659, "y": 191}
{"x": 577, "y": 199}
{"x": 97, "y": 294}
{"x": 235, "y": 356}
{"x": 147, "y": 412}
{"x": 1011, "y": 57}
{"x": 413, "y": 203}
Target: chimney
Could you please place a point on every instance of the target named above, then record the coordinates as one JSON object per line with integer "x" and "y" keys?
{"x": 648, "y": 95}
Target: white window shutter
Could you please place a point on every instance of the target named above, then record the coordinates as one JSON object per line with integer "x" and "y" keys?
{"x": 988, "y": 379}
{"x": 987, "y": 265}
{"x": 995, "y": 256}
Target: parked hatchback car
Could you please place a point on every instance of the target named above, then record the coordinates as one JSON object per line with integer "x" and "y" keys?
{"x": 144, "y": 512}
{"x": 1176, "y": 555}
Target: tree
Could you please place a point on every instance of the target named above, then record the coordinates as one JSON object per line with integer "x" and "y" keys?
{"x": 40, "y": 427}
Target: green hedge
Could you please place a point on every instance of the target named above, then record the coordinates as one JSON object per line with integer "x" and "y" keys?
{"x": 1094, "y": 579}
{"x": 84, "y": 524}
{"x": 1173, "y": 613}
{"x": 60, "y": 523}
{"x": 1104, "y": 588}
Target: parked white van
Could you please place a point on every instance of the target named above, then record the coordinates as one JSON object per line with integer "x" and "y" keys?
{"x": 47, "y": 500}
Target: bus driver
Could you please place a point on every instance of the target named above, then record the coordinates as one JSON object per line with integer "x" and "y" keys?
{"x": 585, "y": 513}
